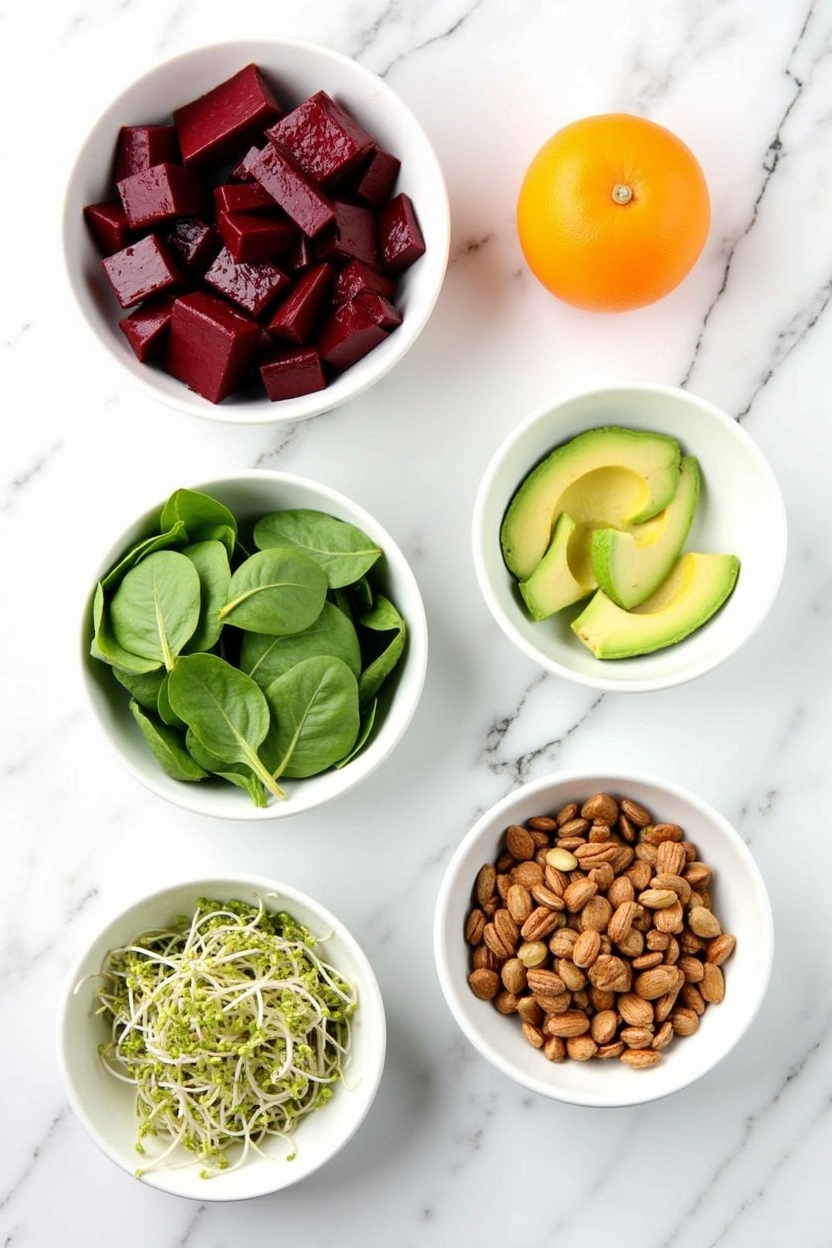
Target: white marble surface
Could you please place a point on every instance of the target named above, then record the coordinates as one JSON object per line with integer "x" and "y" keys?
{"x": 451, "y": 1153}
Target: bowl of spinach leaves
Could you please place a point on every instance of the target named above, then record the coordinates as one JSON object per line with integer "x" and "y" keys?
{"x": 254, "y": 646}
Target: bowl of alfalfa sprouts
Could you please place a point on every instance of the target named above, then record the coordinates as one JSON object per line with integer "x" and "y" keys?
{"x": 222, "y": 1038}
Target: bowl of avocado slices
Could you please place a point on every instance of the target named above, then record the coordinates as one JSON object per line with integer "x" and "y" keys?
{"x": 629, "y": 538}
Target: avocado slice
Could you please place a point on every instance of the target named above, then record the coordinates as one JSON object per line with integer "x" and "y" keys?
{"x": 609, "y": 475}
{"x": 629, "y": 565}
{"x": 695, "y": 589}
{"x": 554, "y": 583}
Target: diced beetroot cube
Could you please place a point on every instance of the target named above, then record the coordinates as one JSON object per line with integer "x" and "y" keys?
{"x": 400, "y": 236}
{"x": 291, "y": 189}
{"x": 141, "y": 269}
{"x": 140, "y": 147}
{"x": 322, "y": 137}
{"x": 162, "y": 192}
{"x": 241, "y": 171}
{"x": 252, "y": 286}
{"x": 358, "y": 278}
{"x": 373, "y": 181}
{"x": 250, "y": 237}
{"x": 194, "y": 242}
{"x": 292, "y": 373}
{"x": 300, "y": 256}
{"x": 108, "y": 225}
{"x": 352, "y": 235}
{"x": 146, "y": 328}
{"x": 209, "y": 346}
{"x": 242, "y": 197}
{"x": 355, "y": 328}
{"x": 295, "y": 318}
{"x": 226, "y": 118}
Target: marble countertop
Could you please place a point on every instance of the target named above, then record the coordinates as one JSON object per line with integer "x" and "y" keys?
{"x": 451, "y": 1152}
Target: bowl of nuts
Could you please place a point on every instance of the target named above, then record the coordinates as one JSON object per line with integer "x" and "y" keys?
{"x": 603, "y": 939}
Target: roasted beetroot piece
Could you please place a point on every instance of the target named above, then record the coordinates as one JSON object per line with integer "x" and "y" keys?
{"x": 146, "y": 328}
{"x": 162, "y": 192}
{"x": 241, "y": 171}
{"x": 323, "y": 138}
{"x": 250, "y": 237}
{"x": 251, "y": 286}
{"x": 297, "y": 315}
{"x": 289, "y": 374}
{"x": 373, "y": 181}
{"x": 195, "y": 243}
{"x": 353, "y": 329}
{"x": 223, "y": 121}
{"x": 108, "y": 225}
{"x": 353, "y": 235}
{"x": 358, "y": 278}
{"x": 301, "y": 255}
{"x": 242, "y": 197}
{"x": 140, "y": 147}
{"x": 141, "y": 269}
{"x": 400, "y": 236}
{"x": 289, "y": 186}
{"x": 210, "y": 346}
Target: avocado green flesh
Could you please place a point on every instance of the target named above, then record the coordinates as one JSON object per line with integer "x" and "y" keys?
{"x": 694, "y": 591}
{"x": 630, "y": 565}
{"x": 552, "y": 585}
{"x": 630, "y": 475}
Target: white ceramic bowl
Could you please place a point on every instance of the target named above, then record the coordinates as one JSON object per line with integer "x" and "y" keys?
{"x": 740, "y": 512}
{"x": 298, "y": 70}
{"x": 739, "y": 900}
{"x": 250, "y": 494}
{"x": 106, "y": 1106}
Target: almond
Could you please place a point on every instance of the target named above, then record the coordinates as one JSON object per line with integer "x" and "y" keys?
{"x": 544, "y": 982}
{"x": 587, "y": 947}
{"x": 656, "y": 982}
{"x": 519, "y": 903}
{"x": 578, "y": 893}
{"x": 601, "y": 809}
{"x": 713, "y": 983}
{"x": 640, "y": 1059}
{"x": 635, "y": 1010}
{"x": 540, "y": 923}
{"x": 703, "y": 922}
{"x": 513, "y": 975}
{"x": 635, "y": 813}
{"x": 581, "y": 1048}
{"x": 570, "y": 1023}
{"x": 484, "y": 984}
{"x": 519, "y": 842}
{"x": 720, "y": 948}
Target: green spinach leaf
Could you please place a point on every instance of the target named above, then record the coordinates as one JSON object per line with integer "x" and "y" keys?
{"x": 210, "y": 558}
{"x": 155, "y": 609}
{"x": 368, "y": 718}
{"x": 106, "y": 648}
{"x": 315, "y": 705}
{"x": 275, "y": 591}
{"x": 225, "y": 709}
{"x": 234, "y": 773}
{"x": 202, "y": 517}
{"x": 383, "y": 617}
{"x": 166, "y": 747}
{"x": 142, "y": 686}
{"x": 342, "y": 550}
{"x": 265, "y": 658}
{"x": 156, "y": 541}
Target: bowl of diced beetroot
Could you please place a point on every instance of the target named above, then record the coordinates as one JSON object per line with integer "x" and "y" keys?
{"x": 257, "y": 231}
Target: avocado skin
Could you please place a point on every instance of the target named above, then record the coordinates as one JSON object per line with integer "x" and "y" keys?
{"x": 612, "y": 633}
{"x": 531, "y": 514}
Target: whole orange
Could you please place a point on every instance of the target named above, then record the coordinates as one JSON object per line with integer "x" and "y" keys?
{"x": 613, "y": 212}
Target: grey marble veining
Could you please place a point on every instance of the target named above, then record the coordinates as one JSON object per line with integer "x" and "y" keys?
{"x": 451, "y": 1153}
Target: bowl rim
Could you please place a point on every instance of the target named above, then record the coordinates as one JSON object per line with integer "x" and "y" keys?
{"x": 301, "y": 794}
{"x": 479, "y": 537}
{"x": 326, "y": 923}
{"x": 260, "y": 410}
{"x": 497, "y": 816}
